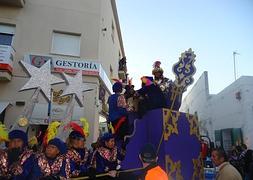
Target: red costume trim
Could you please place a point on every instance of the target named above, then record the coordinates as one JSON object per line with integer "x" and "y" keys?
{"x": 119, "y": 123}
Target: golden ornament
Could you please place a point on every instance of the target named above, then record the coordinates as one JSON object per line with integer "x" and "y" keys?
{"x": 22, "y": 122}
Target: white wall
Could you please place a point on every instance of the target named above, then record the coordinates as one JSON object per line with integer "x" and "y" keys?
{"x": 223, "y": 110}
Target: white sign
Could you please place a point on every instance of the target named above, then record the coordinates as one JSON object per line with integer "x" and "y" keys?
{"x": 6, "y": 57}
{"x": 60, "y": 64}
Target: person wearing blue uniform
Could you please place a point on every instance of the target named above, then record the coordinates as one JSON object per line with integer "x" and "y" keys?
{"x": 107, "y": 158}
{"x": 118, "y": 112}
{"x": 77, "y": 154}
{"x": 52, "y": 164}
{"x": 16, "y": 162}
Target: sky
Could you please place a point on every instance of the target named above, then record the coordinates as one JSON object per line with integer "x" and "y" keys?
{"x": 163, "y": 29}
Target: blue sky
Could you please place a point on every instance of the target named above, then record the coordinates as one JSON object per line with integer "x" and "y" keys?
{"x": 163, "y": 29}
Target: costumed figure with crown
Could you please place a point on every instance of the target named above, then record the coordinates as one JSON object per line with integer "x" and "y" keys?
{"x": 118, "y": 113}
{"x": 107, "y": 157}
{"x": 16, "y": 161}
{"x": 150, "y": 96}
{"x": 168, "y": 87}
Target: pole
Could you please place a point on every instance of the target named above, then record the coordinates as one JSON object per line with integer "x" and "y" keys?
{"x": 234, "y": 53}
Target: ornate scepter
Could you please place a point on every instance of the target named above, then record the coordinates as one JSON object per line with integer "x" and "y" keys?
{"x": 183, "y": 70}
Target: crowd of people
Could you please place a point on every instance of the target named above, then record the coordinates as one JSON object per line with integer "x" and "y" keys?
{"x": 236, "y": 164}
{"x": 242, "y": 159}
{"x": 71, "y": 159}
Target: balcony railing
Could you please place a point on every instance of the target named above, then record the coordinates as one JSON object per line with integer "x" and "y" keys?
{"x": 17, "y": 3}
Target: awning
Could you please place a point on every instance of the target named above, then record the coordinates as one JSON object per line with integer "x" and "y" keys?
{"x": 3, "y": 106}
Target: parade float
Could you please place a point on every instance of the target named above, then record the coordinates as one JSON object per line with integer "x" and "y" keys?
{"x": 175, "y": 134}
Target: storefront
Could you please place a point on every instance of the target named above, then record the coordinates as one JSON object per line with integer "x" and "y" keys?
{"x": 94, "y": 102}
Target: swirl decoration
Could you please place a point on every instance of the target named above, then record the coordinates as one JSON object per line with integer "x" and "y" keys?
{"x": 184, "y": 69}
{"x": 173, "y": 168}
{"x": 198, "y": 168}
{"x": 170, "y": 123}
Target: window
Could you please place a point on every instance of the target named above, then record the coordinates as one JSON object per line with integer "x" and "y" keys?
{"x": 6, "y": 39}
{"x": 66, "y": 44}
{"x": 6, "y": 34}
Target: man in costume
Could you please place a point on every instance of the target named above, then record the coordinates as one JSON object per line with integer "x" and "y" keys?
{"x": 107, "y": 158}
{"x": 52, "y": 163}
{"x": 172, "y": 94}
{"x": 118, "y": 112}
{"x": 16, "y": 162}
{"x": 149, "y": 159}
{"x": 151, "y": 96}
{"x": 159, "y": 79}
{"x": 77, "y": 154}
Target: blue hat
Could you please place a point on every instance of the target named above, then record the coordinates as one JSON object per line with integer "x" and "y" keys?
{"x": 76, "y": 134}
{"x": 59, "y": 144}
{"x": 107, "y": 137}
{"x": 148, "y": 153}
{"x": 18, "y": 134}
{"x": 117, "y": 87}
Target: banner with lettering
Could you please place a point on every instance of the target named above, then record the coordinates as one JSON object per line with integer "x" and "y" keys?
{"x": 60, "y": 64}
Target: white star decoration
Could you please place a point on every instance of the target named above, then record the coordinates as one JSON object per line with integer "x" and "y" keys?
{"x": 40, "y": 78}
{"x": 76, "y": 86}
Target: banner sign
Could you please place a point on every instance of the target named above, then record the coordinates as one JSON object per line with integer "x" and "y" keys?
{"x": 60, "y": 64}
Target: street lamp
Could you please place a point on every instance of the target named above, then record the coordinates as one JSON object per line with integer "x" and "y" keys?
{"x": 235, "y": 53}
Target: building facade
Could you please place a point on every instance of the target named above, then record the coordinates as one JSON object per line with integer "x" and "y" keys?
{"x": 226, "y": 117}
{"x": 74, "y": 35}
